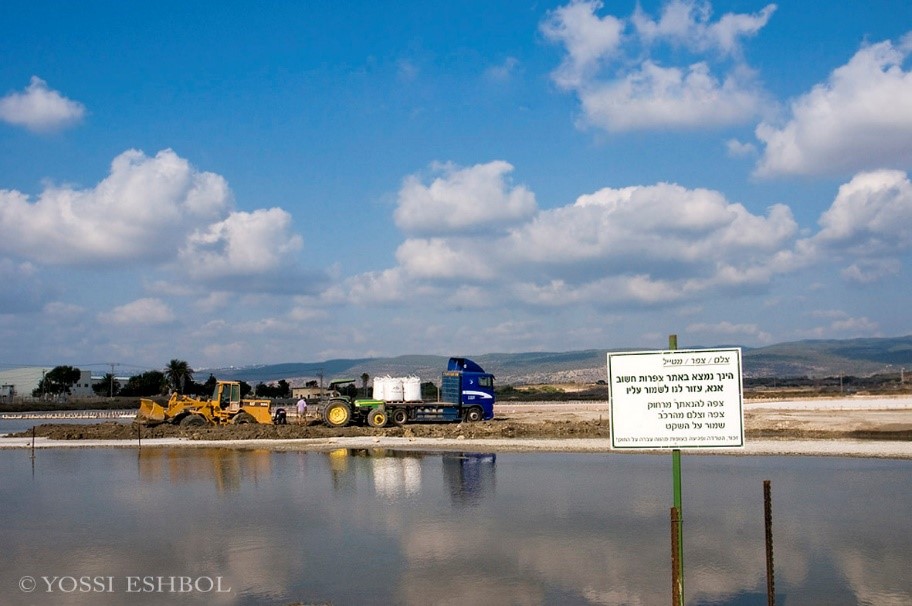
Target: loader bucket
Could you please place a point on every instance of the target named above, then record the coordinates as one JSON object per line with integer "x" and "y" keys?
{"x": 150, "y": 413}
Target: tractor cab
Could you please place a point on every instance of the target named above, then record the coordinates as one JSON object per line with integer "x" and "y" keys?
{"x": 341, "y": 388}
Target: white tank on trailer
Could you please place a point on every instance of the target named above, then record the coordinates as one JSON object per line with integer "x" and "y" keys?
{"x": 380, "y": 387}
{"x": 411, "y": 389}
{"x": 394, "y": 392}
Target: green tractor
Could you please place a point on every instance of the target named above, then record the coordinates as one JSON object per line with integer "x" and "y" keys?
{"x": 341, "y": 410}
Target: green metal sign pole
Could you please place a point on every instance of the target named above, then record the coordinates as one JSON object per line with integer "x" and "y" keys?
{"x": 678, "y": 500}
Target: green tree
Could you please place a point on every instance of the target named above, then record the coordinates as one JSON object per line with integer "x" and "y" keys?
{"x": 281, "y": 389}
{"x": 108, "y": 386}
{"x": 284, "y": 389}
{"x": 150, "y": 383}
{"x": 348, "y": 390}
{"x": 58, "y": 380}
{"x": 246, "y": 389}
{"x": 178, "y": 373}
{"x": 429, "y": 391}
{"x": 208, "y": 387}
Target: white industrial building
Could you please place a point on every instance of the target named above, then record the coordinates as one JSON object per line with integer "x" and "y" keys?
{"x": 21, "y": 382}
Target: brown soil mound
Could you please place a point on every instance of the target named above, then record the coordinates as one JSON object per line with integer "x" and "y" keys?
{"x": 530, "y": 422}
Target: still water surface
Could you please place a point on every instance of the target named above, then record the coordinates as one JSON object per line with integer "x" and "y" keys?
{"x": 383, "y": 527}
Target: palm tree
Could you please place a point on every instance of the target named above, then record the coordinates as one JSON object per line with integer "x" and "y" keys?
{"x": 178, "y": 372}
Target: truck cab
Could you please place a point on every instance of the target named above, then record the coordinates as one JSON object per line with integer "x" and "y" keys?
{"x": 467, "y": 385}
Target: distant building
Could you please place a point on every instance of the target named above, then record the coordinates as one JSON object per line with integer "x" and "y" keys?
{"x": 83, "y": 387}
{"x": 308, "y": 392}
{"x": 22, "y": 381}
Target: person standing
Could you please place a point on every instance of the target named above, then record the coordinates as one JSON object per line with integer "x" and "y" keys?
{"x": 302, "y": 410}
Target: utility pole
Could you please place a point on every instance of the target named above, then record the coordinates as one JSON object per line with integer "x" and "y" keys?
{"x": 111, "y": 386}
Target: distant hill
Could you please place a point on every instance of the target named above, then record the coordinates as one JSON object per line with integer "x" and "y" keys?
{"x": 813, "y": 358}
{"x": 820, "y": 358}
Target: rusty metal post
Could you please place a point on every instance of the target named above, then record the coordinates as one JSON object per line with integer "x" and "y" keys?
{"x": 768, "y": 523}
{"x": 677, "y": 593}
{"x": 678, "y": 497}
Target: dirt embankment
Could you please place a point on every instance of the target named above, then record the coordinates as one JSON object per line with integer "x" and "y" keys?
{"x": 583, "y": 420}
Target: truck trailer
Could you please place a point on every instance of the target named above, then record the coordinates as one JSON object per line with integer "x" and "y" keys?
{"x": 466, "y": 394}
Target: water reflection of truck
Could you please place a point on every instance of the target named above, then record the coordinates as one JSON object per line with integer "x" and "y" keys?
{"x": 469, "y": 476}
{"x": 466, "y": 394}
{"x": 394, "y": 473}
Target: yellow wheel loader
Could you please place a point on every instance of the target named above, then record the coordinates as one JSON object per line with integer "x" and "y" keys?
{"x": 224, "y": 408}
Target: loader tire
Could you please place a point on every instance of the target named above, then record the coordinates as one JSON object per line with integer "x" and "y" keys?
{"x": 376, "y": 417}
{"x": 193, "y": 421}
{"x": 337, "y": 414}
{"x": 243, "y": 418}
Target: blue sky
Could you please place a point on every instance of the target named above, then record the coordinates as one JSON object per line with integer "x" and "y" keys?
{"x": 240, "y": 183}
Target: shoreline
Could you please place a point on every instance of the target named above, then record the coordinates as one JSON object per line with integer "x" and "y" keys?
{"x": 874, "y": 449}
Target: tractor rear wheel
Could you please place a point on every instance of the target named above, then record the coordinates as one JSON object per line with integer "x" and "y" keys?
{"x": 376, "y": 417}
{"x": 337, "y": 414}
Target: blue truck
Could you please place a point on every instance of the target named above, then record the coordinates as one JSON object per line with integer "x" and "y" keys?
{"x": 466, "y": 394}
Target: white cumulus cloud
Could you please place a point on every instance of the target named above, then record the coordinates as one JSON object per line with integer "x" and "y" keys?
{"x": 588, "y": 38}
{"x": 38, "y": 108}
{"x": 140, "y": 212}
{"x": 868, "y": 226}
{"x": 636, "y": 245}
{"x": 689, "y": 23}
{"x": 613, "y": 65}
{"x": 739, "y": 149}
{"x": 671, "y": 97}
{"x": 148, "y": 311}
{"x": 868, "y": 271}
{"x": 646, "y": 225}
{"x": 860, "y": 118}
{"x": 871, "y": 215}
{"x": 162, "y": 212}
{"x": 473, "y": 199}
{"x": 242, "y": 244}
{"x": 841, "y": 325}
{"x": 729, "y": 330}
{"x": 442, "y": 258}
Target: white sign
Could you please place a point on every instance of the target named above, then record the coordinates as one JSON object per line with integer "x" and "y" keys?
{"x": 686, "y": 398}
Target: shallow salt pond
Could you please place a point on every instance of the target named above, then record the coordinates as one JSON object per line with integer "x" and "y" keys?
{"x": 241, "y": 526}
